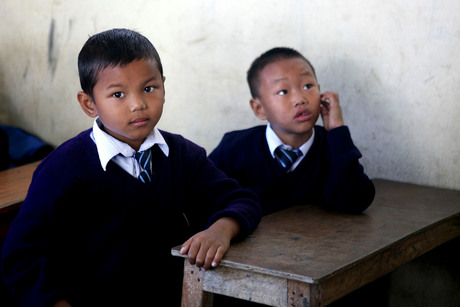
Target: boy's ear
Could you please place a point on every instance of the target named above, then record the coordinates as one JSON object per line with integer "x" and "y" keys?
{"x": 257, "y": 108}
{"x": 87, "y": 104}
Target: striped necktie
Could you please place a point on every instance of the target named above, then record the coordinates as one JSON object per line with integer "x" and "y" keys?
{"x": 287, "y": 157}
{"x": 144, "y": 157}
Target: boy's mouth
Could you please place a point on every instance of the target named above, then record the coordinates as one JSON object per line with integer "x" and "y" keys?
{"x": 302, "y": 115}
{"x": 140, "y": 121}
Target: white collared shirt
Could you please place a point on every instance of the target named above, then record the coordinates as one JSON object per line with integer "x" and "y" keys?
{"x": 110, "y": 148}
{"x": 274, "y": 141}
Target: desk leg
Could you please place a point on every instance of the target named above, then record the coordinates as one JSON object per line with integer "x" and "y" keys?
{"x": 302, "y": 294}
{"x": 192, "y": 288}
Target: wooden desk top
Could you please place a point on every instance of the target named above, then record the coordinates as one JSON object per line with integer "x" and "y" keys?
{"x": 311, "y": 245}
{"x": 14, "y": 184}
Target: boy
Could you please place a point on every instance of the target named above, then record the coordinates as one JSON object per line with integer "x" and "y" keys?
{"x": 97, "y": 226}
{"x": 322, "y": 163}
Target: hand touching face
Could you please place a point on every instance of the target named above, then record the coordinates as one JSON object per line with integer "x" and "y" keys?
{"x": 331, "y": 112}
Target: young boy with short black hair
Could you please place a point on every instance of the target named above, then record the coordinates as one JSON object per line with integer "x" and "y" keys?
{"x": 292, "y": 161}
{"x": 104, "y": 209}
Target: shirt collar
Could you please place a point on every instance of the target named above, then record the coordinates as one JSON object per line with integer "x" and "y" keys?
{"x": 109, "y": 147}
{"x": 274, "y": 141}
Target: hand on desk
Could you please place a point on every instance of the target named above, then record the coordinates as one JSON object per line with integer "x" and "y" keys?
{"x": 207, "y": 248}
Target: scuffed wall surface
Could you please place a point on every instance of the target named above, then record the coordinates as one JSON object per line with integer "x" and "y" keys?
{"x": 394, "y": 64}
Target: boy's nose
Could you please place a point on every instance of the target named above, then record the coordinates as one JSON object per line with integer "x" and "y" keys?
{"x": 300, "y": 102}
{"x": 299, "y": 99}
{"x": 137, "y": 103}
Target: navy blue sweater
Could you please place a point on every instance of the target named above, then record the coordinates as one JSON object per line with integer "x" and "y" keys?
{"x": 103, "y": 237}
{"x": 329, "y": 175}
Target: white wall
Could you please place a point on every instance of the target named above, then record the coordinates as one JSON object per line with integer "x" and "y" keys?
{"x": 395, "y": 65}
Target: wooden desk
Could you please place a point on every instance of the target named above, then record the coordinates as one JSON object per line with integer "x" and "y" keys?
{"x": 14, "y": 184}
{"x": 305, "y": 256}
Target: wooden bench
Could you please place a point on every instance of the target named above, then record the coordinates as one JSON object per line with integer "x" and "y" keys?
{"x": 14, "y": 184}
{"x": 306, "y": 256}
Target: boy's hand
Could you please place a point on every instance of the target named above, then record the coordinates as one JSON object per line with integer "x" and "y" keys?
{"x": 207, "y": 248}
{"x": 331, "y": 112}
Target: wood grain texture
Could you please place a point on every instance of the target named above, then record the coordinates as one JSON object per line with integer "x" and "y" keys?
{"x": 192, "y": 291}
{"x": 322, "y": 255}
{"x": 14, "y": 184}
{"x": 246, "y": 285}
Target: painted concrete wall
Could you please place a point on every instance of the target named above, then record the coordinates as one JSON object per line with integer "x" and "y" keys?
{"x": 395, "y": 65}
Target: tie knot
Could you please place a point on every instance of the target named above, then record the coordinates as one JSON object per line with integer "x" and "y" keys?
{"x": 287, "y": 157}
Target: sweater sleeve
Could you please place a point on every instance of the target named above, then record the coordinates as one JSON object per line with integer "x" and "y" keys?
{"x": 32, "y": 255}
{"x": 28, "y": 252}
{"x": 348, "y": 189}
{"x": 224, "y": 195}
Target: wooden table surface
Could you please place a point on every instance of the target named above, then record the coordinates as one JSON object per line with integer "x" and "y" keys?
{"x": 14, "y": 184}
{"x": 308, "y": 255}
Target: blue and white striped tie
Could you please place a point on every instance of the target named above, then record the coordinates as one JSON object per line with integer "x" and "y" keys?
{"x": 144, "y": 157}
{"x": 287, "y": 157}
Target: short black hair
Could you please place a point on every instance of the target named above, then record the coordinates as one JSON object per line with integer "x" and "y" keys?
{"x": 111, "y": 48}
{"x": 268, "y": 57}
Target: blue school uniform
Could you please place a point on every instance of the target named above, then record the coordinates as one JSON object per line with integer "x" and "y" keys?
{"x": 329, "y": 174}
{"x": 102, "y": 237}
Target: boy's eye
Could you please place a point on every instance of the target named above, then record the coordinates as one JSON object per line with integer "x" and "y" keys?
{"x": 118, "y": 95}
{"x": 149, "y": 89}
{"x": 282, "y": 92}
{"x": 307, "y": 86}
